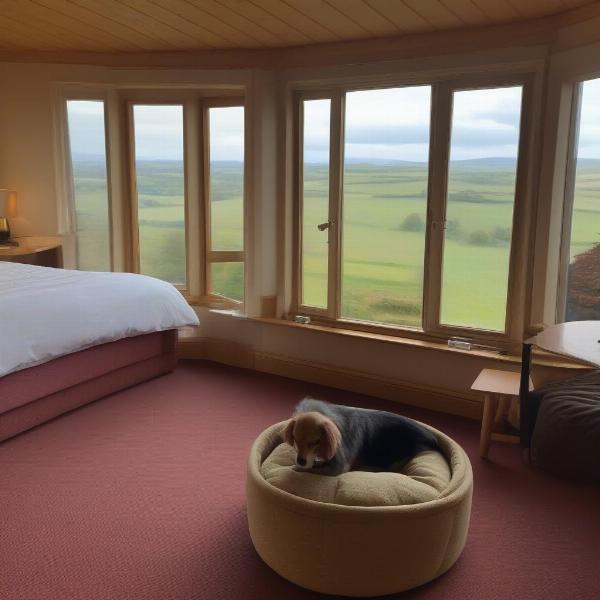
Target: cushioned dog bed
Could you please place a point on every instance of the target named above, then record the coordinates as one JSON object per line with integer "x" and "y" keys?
{"x": 360, "y": 533}
{"x": 422, "y": 479}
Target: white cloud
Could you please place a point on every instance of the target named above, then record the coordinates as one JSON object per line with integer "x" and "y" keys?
{"x": 393, "y": 124}
{"x": 158, "y": 131}
{"x": 589, "y": 128}
{"x": 227, "y": 133}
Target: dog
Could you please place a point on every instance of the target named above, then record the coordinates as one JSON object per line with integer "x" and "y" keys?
{"x": 330, "y": 439}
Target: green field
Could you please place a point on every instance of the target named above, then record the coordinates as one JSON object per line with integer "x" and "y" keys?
{"x": 383, "y": 233}
{"x": 161, "y": 216}
{"x": 384, "y": 239}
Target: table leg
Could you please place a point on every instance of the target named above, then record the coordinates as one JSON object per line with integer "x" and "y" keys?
{"x": 489, "y": 409}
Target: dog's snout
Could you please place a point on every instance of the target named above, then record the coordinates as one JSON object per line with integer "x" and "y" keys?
{"x": 301, "y": 461}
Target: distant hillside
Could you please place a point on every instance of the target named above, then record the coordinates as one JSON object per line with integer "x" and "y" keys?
{"x": 80, "y": 157}
{"x": 498, "y": 161}
{"x": 589, "y": 163}
{"x": 492, "y": 161}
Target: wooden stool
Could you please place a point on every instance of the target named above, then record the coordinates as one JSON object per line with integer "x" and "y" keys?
{"x": 499, "y": 389}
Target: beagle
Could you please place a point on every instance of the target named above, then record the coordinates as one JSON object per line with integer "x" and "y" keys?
{"x": 330, "y": 439}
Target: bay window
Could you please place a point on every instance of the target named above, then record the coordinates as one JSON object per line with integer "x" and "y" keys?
{"x": 406, "y": 199}
{"x": 173, "y": 205}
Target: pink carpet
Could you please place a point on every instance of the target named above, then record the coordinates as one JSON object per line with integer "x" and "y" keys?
{"x": 141, "y": 496}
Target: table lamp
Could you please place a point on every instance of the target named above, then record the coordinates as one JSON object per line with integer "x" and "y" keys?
{"x": 8, "y": 208}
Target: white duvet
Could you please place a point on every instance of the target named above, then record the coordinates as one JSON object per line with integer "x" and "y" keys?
{"x": 46, "y": 313}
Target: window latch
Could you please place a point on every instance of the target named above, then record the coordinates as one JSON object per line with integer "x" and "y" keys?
{"x": 324, "y": 226}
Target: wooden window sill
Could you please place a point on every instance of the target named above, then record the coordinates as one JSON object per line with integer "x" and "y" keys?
{"x": 542, "y": 358}
{"x": 213, "y": 302}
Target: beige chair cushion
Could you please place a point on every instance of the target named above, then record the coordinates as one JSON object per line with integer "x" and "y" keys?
{"x": 422, "y": 479}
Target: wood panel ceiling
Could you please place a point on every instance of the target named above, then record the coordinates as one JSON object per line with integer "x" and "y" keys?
{"x": 150, "y": 25}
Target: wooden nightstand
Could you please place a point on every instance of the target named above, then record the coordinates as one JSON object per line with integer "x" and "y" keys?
{"x": 499, "y": 389}
{"x": 40, "y": 251}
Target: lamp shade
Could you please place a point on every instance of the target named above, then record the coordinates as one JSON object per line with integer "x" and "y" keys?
{"x": 8, "y": 203}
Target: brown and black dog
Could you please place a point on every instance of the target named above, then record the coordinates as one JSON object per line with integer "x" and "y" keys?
{"x": 331, "y": 439}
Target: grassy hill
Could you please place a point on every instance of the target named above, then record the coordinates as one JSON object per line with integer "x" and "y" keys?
{"x": 384, "y": 232}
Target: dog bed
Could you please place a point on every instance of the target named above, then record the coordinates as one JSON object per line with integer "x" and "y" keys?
{"x": 360, "y": 533}
{"x": 422, "y": 479}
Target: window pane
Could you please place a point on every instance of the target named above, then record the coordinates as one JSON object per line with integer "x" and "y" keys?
{"x": 226, "y": 126}
{"x": 479, "y": 212}
{"x": 160, "y": 190}
{"x": 88, "y": 160}
{"x": 385, "y": 204}
{"x": 227, "y": 280}
{"x": 583, "y": 288}
{"x": 315, "y": 202}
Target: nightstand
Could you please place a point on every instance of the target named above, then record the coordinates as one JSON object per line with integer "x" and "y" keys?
{"x": 499, "y": 388}
{"x": 40, "y": 251}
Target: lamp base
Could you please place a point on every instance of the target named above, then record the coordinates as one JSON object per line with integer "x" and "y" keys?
{"x": 9, "y": 244}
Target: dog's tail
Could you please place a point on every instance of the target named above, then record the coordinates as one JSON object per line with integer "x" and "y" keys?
{"x": 428, "y": 441}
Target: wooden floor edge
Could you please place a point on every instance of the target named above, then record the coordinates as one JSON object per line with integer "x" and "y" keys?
{"x": 423, "y": 396}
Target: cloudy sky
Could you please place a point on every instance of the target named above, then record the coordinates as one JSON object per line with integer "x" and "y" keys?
{"x": 393, "y": 124}
{"x": 390, "y": 124}
{"x": 158, "y": 131}
{"x": 589, "y": 130}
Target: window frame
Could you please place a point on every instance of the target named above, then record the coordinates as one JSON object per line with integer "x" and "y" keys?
{"x": 334, "y": 205}
{"x": 65, "y": 178}
{"x": 220, "y": 256}
{"x": 118, "y": 101}
{"x": 152, "y": 100}
{"x": 442, "y": 90}
{"x": 196, "y": 141}
{"x": 569, "y": 197}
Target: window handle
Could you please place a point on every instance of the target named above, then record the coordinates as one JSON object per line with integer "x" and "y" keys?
{"x": 324, "y": 226}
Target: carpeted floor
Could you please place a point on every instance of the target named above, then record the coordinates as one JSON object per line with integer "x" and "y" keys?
{"x": 140, "y": 496}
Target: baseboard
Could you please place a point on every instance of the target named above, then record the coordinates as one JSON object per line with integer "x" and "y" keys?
{"x": 395, "y": 390}
{"x": 190, "y": 348}
{"x": 217, "y": 350}
{"x": 238, "y": 355}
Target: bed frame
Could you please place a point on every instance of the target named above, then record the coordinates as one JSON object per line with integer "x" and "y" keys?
{"x": 36, "y": 395}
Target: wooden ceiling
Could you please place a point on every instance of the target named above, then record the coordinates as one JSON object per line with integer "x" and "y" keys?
{"x": 168, "y": 25}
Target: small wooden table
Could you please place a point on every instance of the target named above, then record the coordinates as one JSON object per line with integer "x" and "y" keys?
{"x": 499, "y": 388}
{"x": 40, "y": 251}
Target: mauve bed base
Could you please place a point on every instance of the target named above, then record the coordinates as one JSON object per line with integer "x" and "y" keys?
{"x": 33, "y": 396}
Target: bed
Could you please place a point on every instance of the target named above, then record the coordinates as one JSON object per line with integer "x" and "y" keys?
{"x": 71, "y": 337}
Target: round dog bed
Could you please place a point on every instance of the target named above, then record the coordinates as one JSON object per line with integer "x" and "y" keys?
{"x": 361, "y": 535}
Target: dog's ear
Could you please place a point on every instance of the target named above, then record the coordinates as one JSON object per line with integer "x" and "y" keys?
{"x": 287, "y": 433}
{"x": 332, "y": 439}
